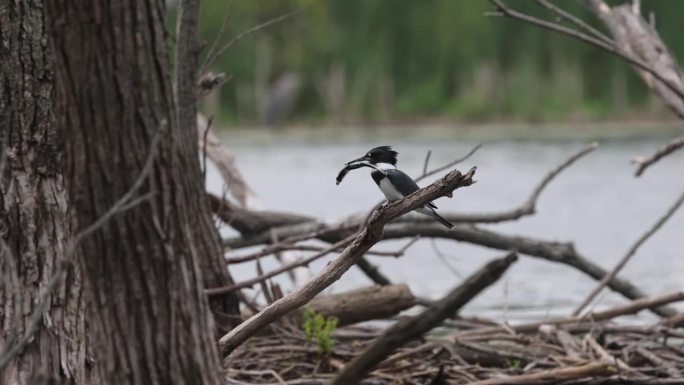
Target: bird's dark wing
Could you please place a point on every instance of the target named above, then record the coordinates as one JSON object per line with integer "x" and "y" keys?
{"x": 404, "y": 183}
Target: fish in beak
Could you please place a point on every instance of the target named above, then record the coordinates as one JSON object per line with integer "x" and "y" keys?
{"x": 353, "y": 165}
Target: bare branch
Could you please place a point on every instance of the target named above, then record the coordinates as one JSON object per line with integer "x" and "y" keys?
{"x": 225, "y": 162}
{"x": 513, "y": 14}
{"x": 427, "y": 160}
{"x": 448, "y": 165}
{"x": 529, "y": 206}
{"x": 219, "y": 36}
{"x": 280, "y": 270}
{"x": 630, "y": 253}
{"x": 669, "y": 148}
{"x": 563, "y": 14}
{"x": 244, "y": 34}
{"x": 370, "y": 234}
{"x": 632, "y": 307}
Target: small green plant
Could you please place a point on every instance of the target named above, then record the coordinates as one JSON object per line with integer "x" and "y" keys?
{"x": 514, "y": 364}
{"x": 320, "y": 329}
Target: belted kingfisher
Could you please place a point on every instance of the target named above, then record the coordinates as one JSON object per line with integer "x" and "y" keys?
{"x": 394, "y": 183}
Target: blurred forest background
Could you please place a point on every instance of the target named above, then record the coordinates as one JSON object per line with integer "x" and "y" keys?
{"x": 363, "y": 62}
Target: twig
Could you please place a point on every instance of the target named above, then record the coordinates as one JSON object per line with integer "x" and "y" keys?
{"x": 667, "y": 149}
{"x": 529, "y": 206}
{"x": 443, "y": 258}
{"x": 280, "y": 270}
{"x": 448, "y": 165}
{"x": 287, "y": 245}
{"x": 427, "y": 160}
{"x": 413, "y": 327}
{"x": 630, "y": 253}
{"x": 554, "y": 376}
{"x": 575, "y": 20}
{"x": 250, "y": 31}
{"x": 370, "y": 234}
{"x": 214, "y": 44}
{"x": 605, "y": 356}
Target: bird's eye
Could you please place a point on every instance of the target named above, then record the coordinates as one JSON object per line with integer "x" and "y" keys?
{"x": 369, "y": 155}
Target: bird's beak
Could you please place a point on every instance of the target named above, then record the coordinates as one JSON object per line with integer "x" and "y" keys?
{"x": 361, "y": 160}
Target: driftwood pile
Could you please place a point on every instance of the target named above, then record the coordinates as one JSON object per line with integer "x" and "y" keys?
{"x": 436, "y": 345}
{"x": 588, "y": 353}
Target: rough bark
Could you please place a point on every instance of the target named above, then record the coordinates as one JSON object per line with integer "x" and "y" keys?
{"x": 144, "y": 268}
{"x": 33, "y": 223}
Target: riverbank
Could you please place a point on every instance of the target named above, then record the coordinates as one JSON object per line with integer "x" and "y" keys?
{"x": 435, "y": 131}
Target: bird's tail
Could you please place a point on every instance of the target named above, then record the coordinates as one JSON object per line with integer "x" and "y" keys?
{"x": 432, "y": 213}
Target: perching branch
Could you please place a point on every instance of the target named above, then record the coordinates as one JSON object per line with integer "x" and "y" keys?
{"x": 365, "y": 238}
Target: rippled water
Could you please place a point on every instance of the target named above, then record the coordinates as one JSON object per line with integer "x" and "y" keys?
{"x": 597, "y": 204}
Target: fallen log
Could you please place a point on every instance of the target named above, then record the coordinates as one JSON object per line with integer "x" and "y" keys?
{"x": 414, "y": 327}
{"x": 368, "y": 303}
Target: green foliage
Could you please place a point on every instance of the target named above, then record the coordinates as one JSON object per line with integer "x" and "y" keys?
{"x": 425, "y": 58}
{"x": 318, "y": 328}
{"x": 514, "y": 364}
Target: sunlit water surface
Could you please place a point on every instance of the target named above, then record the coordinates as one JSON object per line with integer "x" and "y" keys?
{"x": 597, "y": 203}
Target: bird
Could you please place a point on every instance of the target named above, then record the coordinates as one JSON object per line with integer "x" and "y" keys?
{"x": 391, "y": 181}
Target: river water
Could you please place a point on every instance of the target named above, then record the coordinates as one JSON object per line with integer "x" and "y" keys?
{"x": 597, "y": 203}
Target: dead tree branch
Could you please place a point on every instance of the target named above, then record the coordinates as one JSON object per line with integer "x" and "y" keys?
{"x": 554, "y": 376}
{"x": 211, "y": 59}
{"x": 280, "y": 270}
{"x": 225, "y": 162}
{"x": 636, "y": 38}
{"x": 672, "y": 83}
{"x": 630, "y": 253}
{"x": 366, "y": 237}
{"x": 557, "y": 252}
{"x": 414, "y": 327}
{"x": 644, "y": 162}
{"x": 632, "y": 307}
{"x": 529, "y": 206}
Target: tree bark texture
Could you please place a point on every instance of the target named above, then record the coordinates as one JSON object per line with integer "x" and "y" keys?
{"x": 144, "y": 268}
{"x": 34, "y": 230}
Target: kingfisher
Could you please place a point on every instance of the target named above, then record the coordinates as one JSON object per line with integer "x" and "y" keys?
{"x": 393, "y": 183}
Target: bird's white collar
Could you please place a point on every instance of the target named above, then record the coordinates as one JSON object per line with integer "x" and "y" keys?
{"x": 385, "y": 166}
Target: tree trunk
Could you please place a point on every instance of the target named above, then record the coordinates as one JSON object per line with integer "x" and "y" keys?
{"x": 143, "y": 268}
{"x": 33, "y": 222}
